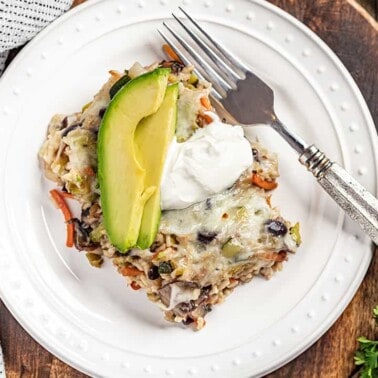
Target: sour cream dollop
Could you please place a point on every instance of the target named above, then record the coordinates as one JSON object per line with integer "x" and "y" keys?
{"x": 209, "y": 162}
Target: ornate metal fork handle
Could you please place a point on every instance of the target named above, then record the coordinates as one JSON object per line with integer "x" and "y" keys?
{"x": 234, "y": 84}
{"x": 347, "y": 192}
{"x": 350, "y": 195}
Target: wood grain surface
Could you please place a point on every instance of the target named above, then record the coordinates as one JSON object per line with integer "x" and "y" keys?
{"x": 353, "y": 35}
{"x": 371, "y": 6}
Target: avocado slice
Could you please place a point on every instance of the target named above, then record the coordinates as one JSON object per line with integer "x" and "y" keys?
{"x": 120, "y": 173}
{"x": 152, "y": 137}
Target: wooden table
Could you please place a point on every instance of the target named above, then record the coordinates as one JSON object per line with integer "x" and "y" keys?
{"x": 349, "y": 30}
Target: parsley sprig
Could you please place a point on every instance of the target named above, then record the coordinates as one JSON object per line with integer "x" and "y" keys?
{"x": 367, "y": 354}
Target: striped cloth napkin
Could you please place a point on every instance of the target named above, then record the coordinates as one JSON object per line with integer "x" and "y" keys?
{"x": 21, "y": 20}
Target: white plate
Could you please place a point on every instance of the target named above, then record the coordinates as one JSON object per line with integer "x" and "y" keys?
{"x": 88, "y": 317}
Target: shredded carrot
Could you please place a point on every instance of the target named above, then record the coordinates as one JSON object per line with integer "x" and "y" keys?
{"x": 261, "y": 183}
{"x": 130, "y": 271}
{"x": 70, "y": 234}
{"x": 89, "y": 171}
{"x": 66, "y": 194}
{"x": 135, "y": 286}
{"x": 59, "y": 201}
{"x": 62, "y": 205}
{"x": 204, "y": 119}
{"x": 277, "y": 257}
{"x": 206, "y": 102}
{"x": 207, "y": 118}
{"x": 170, "y": 52}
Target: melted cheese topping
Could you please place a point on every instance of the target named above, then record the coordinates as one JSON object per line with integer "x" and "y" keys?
{"x": 237, "y": 215}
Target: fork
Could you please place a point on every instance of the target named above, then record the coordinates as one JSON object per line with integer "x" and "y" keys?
{"x": 234, "y": 84}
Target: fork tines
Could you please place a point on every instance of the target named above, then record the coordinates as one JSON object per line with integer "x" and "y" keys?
{"x": 212, "y": 61}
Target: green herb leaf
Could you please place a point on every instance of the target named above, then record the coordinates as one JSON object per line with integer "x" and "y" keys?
{"x": 359, "y": 358}
{"x": 367, "y": 354}
{"x": 363, "y": 340}
{"x": 375, "y": 313}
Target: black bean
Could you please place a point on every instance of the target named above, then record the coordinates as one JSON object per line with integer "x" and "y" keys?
{"x": 177, "y": 67}
{"x": 81, "y": 231}
{"x": 275, "y": 227}
{"x": 174, "y": 65}
{"x": 101, "y": 112}
{"x": 187, "y": 321}
{"x": 81, "y": 227}
{"x": 206, "y": 237}
{"x": 205, "y": 290}
{"x": 153, "y": 273}
{"x": 165, "y": 267}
